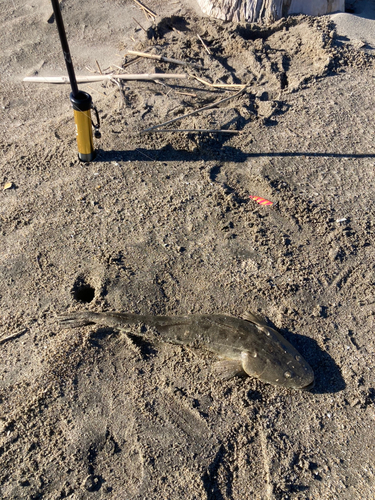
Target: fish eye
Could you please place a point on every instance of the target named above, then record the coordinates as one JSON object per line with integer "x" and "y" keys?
{"x": 288, "y": 374}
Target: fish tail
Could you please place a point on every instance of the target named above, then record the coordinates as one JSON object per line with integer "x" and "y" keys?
{"x": 75, "y": 320}
{"x": 109, "y": 319}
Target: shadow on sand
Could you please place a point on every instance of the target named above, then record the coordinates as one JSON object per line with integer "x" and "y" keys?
{"x": 328, "y": 378}
{"x": 222, "y": 153}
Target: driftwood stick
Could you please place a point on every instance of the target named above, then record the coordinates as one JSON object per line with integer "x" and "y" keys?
{"x": 98, "y": 78}
{"x": 164, "y": 59}
{"x": 145, "y": 8}
{"x": 209, "y": 106}
{"x": 198, "y": 130}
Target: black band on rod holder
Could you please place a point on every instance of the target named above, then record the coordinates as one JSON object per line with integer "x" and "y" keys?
{"x": 65, "y": 47}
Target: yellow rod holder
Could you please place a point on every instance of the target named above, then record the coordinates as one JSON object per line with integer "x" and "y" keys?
{"x": 82, "y": 105}
{"x": 81, "y": 101}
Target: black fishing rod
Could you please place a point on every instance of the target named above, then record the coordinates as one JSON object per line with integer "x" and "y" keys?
{"x": 81, "y": 101}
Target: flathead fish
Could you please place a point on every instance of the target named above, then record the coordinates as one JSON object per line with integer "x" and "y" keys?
{"x": 245, "y": 346}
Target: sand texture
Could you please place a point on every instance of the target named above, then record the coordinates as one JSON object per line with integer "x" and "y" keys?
{"x": 163, "y": 223}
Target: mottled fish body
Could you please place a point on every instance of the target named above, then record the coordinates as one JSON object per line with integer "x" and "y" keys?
{"x": 246, "y": 345}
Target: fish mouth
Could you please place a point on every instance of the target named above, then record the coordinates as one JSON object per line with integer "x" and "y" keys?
{"x": 309, "y": 386}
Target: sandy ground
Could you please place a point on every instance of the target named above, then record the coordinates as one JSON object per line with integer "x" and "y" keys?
{"x": 162, "y": 223}
{"x": 357, "y": 26}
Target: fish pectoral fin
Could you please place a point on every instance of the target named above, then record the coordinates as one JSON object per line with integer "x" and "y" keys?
{"x": 254, "y": 318}
{"x": 227, "y": 369}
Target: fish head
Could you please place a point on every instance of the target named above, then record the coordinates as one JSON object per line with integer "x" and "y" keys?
{"x": 271, "y": 358}
{"x": 288, "y": 370}
{"x": 276, "y": 361}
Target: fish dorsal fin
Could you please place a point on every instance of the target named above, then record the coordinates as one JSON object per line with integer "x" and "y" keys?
{"x": 272, "y": 334}
{"x": 255, "y": 318}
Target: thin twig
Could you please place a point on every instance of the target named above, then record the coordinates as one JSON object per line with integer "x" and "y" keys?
{"x": 147, "y": 15}
{"x": 116, "y": 82}
{"x": 204, "y": 45}
{"x": 100, "y": 71}
{"x": 164, "y": 59}
{"x": 209, "y": 106}
{"x": 122, "y": 93}
{"x": 145, "y": 8}
{"x": 132, "y": 61}
{"x": 13, "y": 336}
{"x": 162, "y": 83}
{"x": 139, "y": 24}
{"x": 186, "y": 93}
{"x": 95, "y": 90}
{"x": 90, "y": 69}
{"x": 219, "y": 85}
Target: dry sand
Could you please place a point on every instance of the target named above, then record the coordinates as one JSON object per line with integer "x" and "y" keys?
{"x": 163, "y": 223}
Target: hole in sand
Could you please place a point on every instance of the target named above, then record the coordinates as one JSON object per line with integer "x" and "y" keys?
{"x": 84, "y": 293}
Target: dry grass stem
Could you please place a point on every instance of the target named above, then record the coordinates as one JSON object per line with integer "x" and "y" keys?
{"x": 132, "y": 61}
{"x": 204, "y": 45}
{"x": 97, "y": 64}
{"x": 186, "y": 93}
{"x": 209, "y": 106}
{"x": 220, "y": 85}
{"x": 140, "y": 25}
{"x": 164, "y": 59}
{"x": 146, "y": 14}
{"x": 145, "y": 8}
